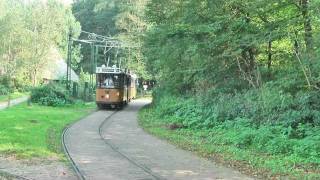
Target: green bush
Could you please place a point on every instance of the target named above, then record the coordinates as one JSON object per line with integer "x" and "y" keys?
{"x": 51, "y": 95}
{"x": 5, "y": 81}
{"x": 4, "y": 85}
{"x": 266, "y": 120}
{"x": 20, "y": 84}
{"x": 3, "y": 90}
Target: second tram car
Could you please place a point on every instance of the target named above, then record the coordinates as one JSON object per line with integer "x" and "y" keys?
{"x": 115, "y": 88}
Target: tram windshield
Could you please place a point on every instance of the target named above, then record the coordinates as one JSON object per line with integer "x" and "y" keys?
{"x": 109, "y": 80}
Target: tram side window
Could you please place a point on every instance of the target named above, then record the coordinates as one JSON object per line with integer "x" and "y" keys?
{"x": 109, "y": 80}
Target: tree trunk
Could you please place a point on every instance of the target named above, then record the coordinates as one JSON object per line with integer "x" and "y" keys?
{"x": 254, "y": 67}
{"x": 9, "y": 93}
{"x": 296, "y": 44}
{"x": 248, "y": 67}
{"x": 308, "y": 37}
{"x": 269, "y": 58}
{"x": 269, "y": 54}
{"x": 34, "y": 78}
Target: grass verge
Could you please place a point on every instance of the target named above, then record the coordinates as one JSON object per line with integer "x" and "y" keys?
{"x": 35, "y": 131}
{"x": 204, "y": 143}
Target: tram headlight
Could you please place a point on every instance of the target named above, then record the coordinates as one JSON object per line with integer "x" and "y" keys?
{"x": 107, "y": 96}
{"x": 118, "y": 93}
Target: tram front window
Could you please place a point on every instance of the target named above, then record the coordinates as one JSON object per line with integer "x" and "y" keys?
{"x": 108, "y": 81}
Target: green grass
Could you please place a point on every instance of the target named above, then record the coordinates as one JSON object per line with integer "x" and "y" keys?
{"x": 35, "y": 131}
{"x": 208, "y": 143}
{"x": 14, "y": 95}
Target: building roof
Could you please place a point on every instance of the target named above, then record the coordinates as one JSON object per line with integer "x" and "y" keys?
{"x": 57, "y": 68}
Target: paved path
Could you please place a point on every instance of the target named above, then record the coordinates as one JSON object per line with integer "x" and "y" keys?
{"x": 128, "y": 153}
{"x": 4, "y": 105}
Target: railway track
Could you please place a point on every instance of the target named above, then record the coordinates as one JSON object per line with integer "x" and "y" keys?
{"x": 76, "y": 169}
{"x": 106, "y": 123}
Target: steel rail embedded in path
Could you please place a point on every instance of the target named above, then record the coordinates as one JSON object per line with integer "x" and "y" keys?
{"x": 107, "y": 122}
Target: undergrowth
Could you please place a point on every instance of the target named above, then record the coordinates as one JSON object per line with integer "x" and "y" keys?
{"x": 273, "y": 133}
{"x": 53, "y": 94}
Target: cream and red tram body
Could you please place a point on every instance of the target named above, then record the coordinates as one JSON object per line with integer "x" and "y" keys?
{"x": 115, "y": 87}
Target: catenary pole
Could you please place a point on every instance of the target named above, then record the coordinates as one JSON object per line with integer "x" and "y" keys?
{"x": 68, "y": 78}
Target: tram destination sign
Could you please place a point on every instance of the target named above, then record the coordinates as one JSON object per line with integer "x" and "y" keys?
{"x": 108, "y": 70}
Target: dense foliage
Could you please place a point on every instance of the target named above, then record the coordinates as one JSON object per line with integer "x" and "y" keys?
{"x": 233, "y": 45}
{"x": 246, "y": 124}
{"x": 246, "y": 71}
{"x": 255, "y": 59}
{"x": 51, "y": 95}
{"x": 268, "y": 151}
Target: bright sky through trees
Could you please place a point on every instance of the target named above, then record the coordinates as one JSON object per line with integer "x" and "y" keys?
{"x": 66, "y": 2}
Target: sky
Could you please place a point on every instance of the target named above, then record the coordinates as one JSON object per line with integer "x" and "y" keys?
{"x": 67, "y": 2}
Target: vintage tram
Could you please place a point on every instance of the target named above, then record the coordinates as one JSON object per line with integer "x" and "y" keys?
{"x": 115, "y": 87}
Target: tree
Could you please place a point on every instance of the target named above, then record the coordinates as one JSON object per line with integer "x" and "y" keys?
{"x": 12, "y": 41}
{"x": 131, "y": 25}
{"x": 28, "y": 32}
{"x": 47, "y": 26}
{"x": 230, "y": 41}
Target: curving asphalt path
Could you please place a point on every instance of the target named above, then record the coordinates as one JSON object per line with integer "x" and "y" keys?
{"x": 13, "y": 102}
{"x": 121, "y": 150}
